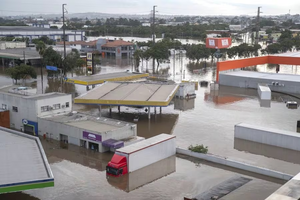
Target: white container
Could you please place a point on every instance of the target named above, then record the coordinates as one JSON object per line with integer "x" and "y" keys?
{"x": 148, "y": 151}
{"x": 270, "y": 136}
{"x": 264, "y": 92}
{"x": 185, "y": 90}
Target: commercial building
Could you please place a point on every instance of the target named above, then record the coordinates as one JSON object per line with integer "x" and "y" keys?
{"x": 35, "y": 32}
{"x": 96, "y": 133}
{"x": 118, "y": 48}
{"x": 25, "y": 106}
{"x": 24, "y": 165}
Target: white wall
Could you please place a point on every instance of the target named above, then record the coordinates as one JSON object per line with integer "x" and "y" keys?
{"x": 26, "y": 109}
{"x": 270, "y": 136}
{"x": 54, "y": 100}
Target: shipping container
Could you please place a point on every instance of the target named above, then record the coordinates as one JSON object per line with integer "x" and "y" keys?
{"x": 141, "y": 154}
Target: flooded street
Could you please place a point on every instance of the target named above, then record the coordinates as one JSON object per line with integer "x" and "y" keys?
{"x": 209, "y": 120}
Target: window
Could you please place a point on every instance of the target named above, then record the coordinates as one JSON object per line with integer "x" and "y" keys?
{"x": 56, "y": 106}
{"x": 4, "y": 106}
{"x": 44, "y": 108}
{"x": 15, "y": 109}
{"x": 67, "y": 104}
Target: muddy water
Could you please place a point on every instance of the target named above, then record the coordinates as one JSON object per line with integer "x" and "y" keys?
{"x": 209, "y": 120}
{"x": 80, "y": 174}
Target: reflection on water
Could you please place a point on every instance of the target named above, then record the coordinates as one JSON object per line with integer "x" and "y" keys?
{"x": 143, "y": 176}
{"x": 184, "y": 104}
{"x": 267, "y": 150}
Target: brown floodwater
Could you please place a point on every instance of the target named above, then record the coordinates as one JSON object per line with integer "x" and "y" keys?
{"x": 209, "y": 119}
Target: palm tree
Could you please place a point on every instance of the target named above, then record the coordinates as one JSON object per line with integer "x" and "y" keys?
{"x": 41, "y": 47}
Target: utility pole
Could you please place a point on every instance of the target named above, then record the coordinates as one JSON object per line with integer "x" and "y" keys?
{"x": 64, "y": 35}
{"x": 257, "y": 25}
{"x": 153, "y": 36}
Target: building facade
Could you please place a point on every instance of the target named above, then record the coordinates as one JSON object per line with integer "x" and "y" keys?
{"x": 118, "y": 48}
{"x": 25, "y": 107}
{"x": 87, "y": 131}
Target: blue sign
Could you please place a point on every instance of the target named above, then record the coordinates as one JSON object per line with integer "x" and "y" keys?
{"x": 33, "y": 124}
{"x": 51, "y": 68}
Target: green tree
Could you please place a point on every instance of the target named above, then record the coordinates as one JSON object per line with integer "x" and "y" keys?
{"x": 21, "y": 72}
{"x": 197, "y": 52}
{"x": 73, "y": 61}
{"x": 159, "y": 52}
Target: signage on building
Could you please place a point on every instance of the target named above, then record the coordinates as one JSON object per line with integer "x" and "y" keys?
{"x": 91, "y": 136}
{"x": 219, "y": 43}
{"x": 211, "y": 43}
{"x": 24, "y": 121}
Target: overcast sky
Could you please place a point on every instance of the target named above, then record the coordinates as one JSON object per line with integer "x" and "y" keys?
{"x": 169, "y": 7}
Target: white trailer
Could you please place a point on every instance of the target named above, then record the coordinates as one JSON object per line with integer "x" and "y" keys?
{"x": 147, "y": 152}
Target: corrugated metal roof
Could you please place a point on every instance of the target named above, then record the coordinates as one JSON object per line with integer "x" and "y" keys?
{"x": 22, "y": 159}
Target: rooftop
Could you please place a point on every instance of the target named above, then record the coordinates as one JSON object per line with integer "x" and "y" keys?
{"x": 117, "y": 43}
{"x": 28, "y": 93}
{"x": 90, "y": 43}
{"x": 24, "y": 164}
{"x": 130, "y": 94}
{"x": 101, "y": 78}
{"x": 84, "y": 121}
{"x": 27, "y": 28}
{"x": 18, "y": 53}
{"x": 145, "y": 143}
{"x": 264, "y": 75}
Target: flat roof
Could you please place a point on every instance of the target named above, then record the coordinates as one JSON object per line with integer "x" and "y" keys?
{"x": 288, "y": 54}
{"x": 264, "y": 75}
{"x": 88, "y": 122}
{"x": 288, "y": 191}
{"x": 18, "y": 53}
{"x": 101, "y": 78}
{"x": 130, "y": 94}
{"x": 145, "y": 143}
{"x": 24, "y": 164}
{"x": 29, "y": 94}
{"x": 29, "y": 28}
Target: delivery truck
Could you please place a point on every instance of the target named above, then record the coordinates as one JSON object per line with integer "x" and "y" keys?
{"x": 141, "y": 154}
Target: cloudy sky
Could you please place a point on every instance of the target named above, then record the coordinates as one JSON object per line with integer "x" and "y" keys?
{"x": 169, "y": 7}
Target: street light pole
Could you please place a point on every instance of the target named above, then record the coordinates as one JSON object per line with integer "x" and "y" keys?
{"x": 64, "y": 34}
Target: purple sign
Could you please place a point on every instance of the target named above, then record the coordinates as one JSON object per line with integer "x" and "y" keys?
{"x": 91, "y": 136}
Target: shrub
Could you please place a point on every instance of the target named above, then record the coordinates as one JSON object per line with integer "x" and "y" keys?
{"x": 199, "y": 148}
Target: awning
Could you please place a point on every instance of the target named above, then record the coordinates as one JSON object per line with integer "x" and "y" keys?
{"x": 111, "y": 143}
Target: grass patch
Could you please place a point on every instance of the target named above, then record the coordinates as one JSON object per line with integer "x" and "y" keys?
{"x": 198, "y": 148}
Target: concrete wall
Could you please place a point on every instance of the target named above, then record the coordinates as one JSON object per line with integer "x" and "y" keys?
{"x": 235, "y": 164}
{"x": 270, "y": 136}
{"x": 62, "y": 100}
{"x": 250, "y": 82}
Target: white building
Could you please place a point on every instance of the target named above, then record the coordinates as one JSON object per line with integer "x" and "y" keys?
{"x": 34, "y": 32}
{"x": 235, "y": 27}
{"x": 97, "y": 133}
{"x": 25, "y": 106}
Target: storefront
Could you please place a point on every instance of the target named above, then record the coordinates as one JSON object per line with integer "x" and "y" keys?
{"x": 93, "y": 140}
{"x": 30, "y": 127}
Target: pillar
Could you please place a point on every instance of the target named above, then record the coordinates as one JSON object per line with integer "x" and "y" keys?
{"x": 99, "y": 108}
{"x": 149, "y": 116}
{"x": 110, "y": 110}
{"x": 93, "y": 86}
{"x": 298, "y": 126}
{"x": 119, "y": 109}
{"x": 87, "y": 88}
{"x": 155, "y": 110}
{"x": 3, "y": 63}
{"x": 160, "y": 110}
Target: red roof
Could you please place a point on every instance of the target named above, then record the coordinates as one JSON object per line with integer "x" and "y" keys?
{"x": 117, "y": 43}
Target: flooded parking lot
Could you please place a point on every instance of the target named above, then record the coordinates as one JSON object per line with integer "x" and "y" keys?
{"x": 209, "y": 119}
